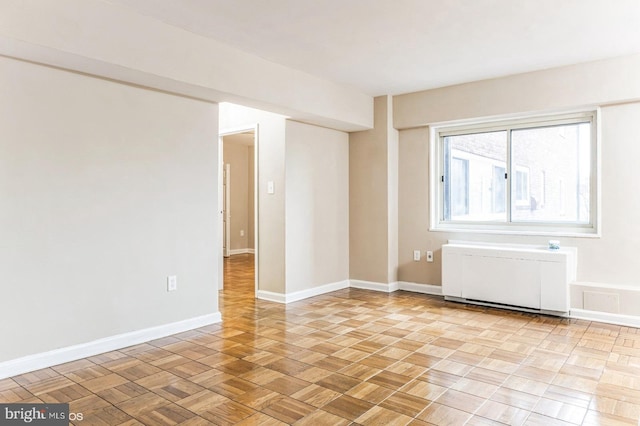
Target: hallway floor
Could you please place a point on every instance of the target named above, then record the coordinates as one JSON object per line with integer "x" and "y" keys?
{"x": 355, "y": 357}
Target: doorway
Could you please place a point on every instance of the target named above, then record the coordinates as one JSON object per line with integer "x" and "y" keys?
{"x": 239, "y": 208}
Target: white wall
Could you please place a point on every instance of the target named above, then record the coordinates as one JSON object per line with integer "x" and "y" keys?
{"x": 101, "y": 38}
{"x": 317, "y": 207}
{"x": 106, "y": 190}
{"x": 603, "y": 82}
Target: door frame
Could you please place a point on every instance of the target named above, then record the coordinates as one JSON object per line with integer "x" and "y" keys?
{"x": 256, "y": 240}
{"x": 226, "y": 214}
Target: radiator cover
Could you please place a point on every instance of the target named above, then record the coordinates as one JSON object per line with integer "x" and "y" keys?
{"x": 515, "y": 276}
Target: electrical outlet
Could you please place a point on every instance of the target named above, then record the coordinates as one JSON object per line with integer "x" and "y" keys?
{"x": 172, "y": 283}
{"x": 429, "y": 256}
{"x": 242, "y": 232}
{"x": 416, "y": 255}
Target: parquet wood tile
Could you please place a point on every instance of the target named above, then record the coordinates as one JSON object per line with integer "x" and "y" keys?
{"x": 109, "y": 415}
{"x": 166, "y": 415}
{"x": 288, "y": 410}
{"x": 65, "y": 394}
{"x": 48, "y": 385}
{"x": 502, "y": 413}
{"x": 405, "y": 403}
{"x": 382, "y": 416}
{"x": 88, "y": 404}
{"x": 515, "y": 398}
{"x": 348, "y": 407}
{"x": 105, "y": 382}
{"x": 460, "y": 400}
{"x": 228, "y": 412}
{"x": 122, "y": 393}
{"x": 438, "y": 414}
{"x": 258, "y": 419}
{"x": 355, "y": 357}
{"x": 15, "y": 395}
{"x": 7, "y": 384}
{"x": 322, "y": 418}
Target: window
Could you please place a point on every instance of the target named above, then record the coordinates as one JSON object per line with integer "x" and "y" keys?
{"x": 533, "y": 175}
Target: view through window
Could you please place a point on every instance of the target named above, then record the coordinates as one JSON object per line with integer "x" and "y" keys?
{"x": 520, "y": 173}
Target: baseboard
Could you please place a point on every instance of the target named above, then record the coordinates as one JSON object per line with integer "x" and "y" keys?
{"x": 271, "y": 296}
{"x": 617, "y": 319}
{"x": 242, "y": 251}
{"x": 303, "y": 294}
{"x": 72, "y": 353}
{"x": 365, "y": 285}
{"x": 316, "y": 291}
{"x": 372, "y": 285}
{"x": 420, "y": 288}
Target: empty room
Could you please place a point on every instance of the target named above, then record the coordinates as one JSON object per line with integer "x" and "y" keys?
{"x": 361, "y": 212}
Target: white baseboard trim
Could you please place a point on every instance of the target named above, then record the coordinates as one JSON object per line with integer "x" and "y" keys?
{"x": 372, "y": 285}
{"x": 420, "y": 288}
{"x": 303, "y": 294}
{"x": 617, "y": 319}
{"x": 316, "y": 291}
{"x": 364, "y": 285}
{"x": 271, "y": 296}
{"x": 72, "y": 353}
{"x": 242, "y": 251}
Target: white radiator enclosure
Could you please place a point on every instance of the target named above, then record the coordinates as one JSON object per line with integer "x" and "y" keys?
{"x": 531, "y": 278}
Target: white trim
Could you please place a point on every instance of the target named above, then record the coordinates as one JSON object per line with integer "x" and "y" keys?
{"x": 364, "y": 285}
{"x": 606, "y": 286}
{"x": 316, "y": 291}
{"x": 226, "y": 212}
{"x": 371, "y": 285}
{"x": 271, "y": 296}
{"x": 420, "y": 288}
{"x": 220, "y": 246}
{"x": 238, "y": 129}
{"x": 72, "y": 353}
{"x": 618, "y": 319}
{"x": 302, "y": 294}
{"x": 242, "y": 251}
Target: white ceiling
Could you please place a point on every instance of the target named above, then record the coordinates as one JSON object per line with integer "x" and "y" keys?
{"x": 400, "y": 46}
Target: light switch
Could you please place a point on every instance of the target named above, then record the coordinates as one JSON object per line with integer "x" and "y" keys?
{"x": 271, "y": 189}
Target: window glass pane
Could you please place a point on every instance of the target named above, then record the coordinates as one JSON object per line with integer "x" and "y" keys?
{"x": 551, "y": 174}
{"x": 459, "y": 186}
{"x": 474, "y": 177}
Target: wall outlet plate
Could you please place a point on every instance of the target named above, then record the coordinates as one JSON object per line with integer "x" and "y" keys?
{"x": 429, "y": 256}
{"x": 416, "y": 255}
{"x": 172, "y": 283}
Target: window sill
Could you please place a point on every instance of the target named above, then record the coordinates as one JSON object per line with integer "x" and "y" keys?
{"x": 566, "y": 233}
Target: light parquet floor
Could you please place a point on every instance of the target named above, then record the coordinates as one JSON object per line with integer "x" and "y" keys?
{"x": 355, "y": 357}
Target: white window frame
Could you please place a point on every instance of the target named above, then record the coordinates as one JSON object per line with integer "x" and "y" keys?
{"x": 436, "y": 169}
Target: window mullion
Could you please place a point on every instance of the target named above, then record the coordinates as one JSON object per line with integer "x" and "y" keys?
{"x": 510, "y": 173}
